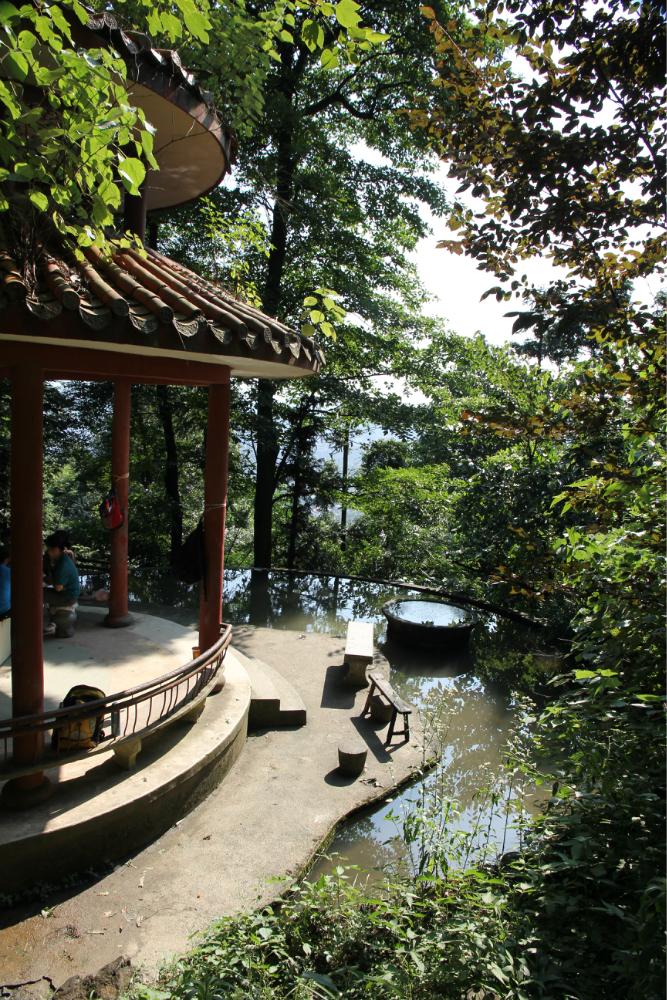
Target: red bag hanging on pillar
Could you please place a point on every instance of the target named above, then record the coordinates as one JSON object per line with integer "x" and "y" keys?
{"x": 112, "y": 514}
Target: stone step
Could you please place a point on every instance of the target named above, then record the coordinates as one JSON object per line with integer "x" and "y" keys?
{"x": 273, "y": 702}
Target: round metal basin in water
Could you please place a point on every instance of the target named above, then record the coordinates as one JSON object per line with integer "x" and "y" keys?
{"x": 428, "y": 622}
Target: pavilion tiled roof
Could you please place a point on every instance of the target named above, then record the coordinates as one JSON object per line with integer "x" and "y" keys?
{"x": 136, "y": 48}
{"x": 194, "y": 147}
{"x": 152, "y": 295}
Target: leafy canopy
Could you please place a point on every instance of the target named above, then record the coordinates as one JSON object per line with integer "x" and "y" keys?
{"x": 70, "y": 139}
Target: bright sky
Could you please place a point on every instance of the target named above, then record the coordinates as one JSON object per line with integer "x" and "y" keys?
{"x": 459, "y": 286}
{"x": 455, "y": 281}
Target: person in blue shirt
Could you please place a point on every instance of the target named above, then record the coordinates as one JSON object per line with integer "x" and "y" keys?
{"x": 64, "y": 576}
{"x": 5, "y": 586}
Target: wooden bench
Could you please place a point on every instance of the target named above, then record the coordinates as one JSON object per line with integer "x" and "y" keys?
{"x": 398, "y": 705}
{"x": 358, "y": 652}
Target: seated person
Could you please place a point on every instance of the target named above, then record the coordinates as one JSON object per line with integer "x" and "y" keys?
{"x": 5, "y": 590}
{"x": 64, "y": 577}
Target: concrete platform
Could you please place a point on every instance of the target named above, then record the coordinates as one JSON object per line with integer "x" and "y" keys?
{"x": 97, "y": 812}
{"x": 112, "y": 660}
{"x": 267, "y": 819}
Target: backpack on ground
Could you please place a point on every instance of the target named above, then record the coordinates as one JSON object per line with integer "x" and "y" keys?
{"x": 189, "y": 563}
{"x": 79, "y": 735}
{"x": 112, "y": 514}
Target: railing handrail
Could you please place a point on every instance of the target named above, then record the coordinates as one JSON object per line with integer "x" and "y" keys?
{"x": 41, "y": 721}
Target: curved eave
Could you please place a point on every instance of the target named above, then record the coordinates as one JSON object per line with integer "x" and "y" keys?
{"x": 18, "y": 326}
{"x": 193, "y": 148}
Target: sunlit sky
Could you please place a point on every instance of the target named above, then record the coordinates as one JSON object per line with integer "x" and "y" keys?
{"x": 458, "y": 287}
{"x": 454, "y": 280}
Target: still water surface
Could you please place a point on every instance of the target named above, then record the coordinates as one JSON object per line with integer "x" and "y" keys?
{"x": 479, "y": 717}
{"x": 424, "y": 612}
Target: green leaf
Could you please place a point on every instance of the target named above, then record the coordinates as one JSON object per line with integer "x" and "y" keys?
{"x": 155, "y": 22}
{"x": 346, "y": 13}
{"x": 7, "y": 151}
{"x": 328, "y": 330}
{"x": 80, "y": 12}
{"x": 316, "y": 316}
{"x": 171, "y": 26}
{"x": 307, "y": 330}
{"x": 109, "y": 193}
{"x": 196, "y": 23}
{"x": 27, "y": 41}
{"x": 16, "y": 64}
{"x": 45, "y": 77}
{"x": 498, "y": 973}
{"x": 132, "y": 172}
{"x": 58, "y": 19}
{"x": 310, "y": 301}
{"x": 8, "y": 12}
{"x": 147, "y": 141}
{"x": 39, "y": 200}
{"x": 312, "y": 34}
{"x": 329, "y": 59}
{"x": 322, "y": 980}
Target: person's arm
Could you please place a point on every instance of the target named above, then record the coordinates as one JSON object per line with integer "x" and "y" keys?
{"x": 57, "y": 572}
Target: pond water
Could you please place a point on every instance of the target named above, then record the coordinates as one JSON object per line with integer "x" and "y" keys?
{"x": 478, "y": 717}
{"x": 425, "y": 612}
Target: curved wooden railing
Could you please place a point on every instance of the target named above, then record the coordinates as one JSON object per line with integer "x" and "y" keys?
{"x": 126, "y": 717}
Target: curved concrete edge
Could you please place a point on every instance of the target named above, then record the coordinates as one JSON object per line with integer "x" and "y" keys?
{"x": 301, "y": 872}
{"x": 104, "y": 814}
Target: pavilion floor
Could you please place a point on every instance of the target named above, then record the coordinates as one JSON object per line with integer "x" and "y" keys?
{"x": 268, "y": 818}
{"x": 110, "y": 659}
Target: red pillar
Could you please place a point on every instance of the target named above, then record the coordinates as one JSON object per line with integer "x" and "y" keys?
{"x": 26, "y": 569}
{"x": 215, "y": 501}
{"x": 120, "y": 469}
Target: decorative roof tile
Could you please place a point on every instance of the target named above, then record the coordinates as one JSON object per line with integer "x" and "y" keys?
{"x": 152, "y": 293}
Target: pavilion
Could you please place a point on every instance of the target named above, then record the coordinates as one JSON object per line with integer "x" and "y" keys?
{"x": 128, "y": 319}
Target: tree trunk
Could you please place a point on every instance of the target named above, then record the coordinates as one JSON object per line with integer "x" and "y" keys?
{"x": 267, "y": 437}
{"x": 343, "y": 509}
{"x": 267, "y": 456}
{"x": 294, "y": 521}
{"x": 171, "y": 472}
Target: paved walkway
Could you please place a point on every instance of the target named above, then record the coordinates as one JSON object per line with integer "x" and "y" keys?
{"x": 266, "y": 820}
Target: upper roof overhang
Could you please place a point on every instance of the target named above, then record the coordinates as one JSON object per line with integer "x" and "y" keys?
{"x": 193, "y": 148}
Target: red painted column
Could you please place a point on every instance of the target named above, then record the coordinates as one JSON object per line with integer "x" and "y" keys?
{"x": 26, "y": 569}
{"x": 215, "y": 501}
{"x": 120, "y": 469}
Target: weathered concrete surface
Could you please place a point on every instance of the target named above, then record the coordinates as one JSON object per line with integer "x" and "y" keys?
{"x": 266, "y": 819}
{"x": 97, "y": 812}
